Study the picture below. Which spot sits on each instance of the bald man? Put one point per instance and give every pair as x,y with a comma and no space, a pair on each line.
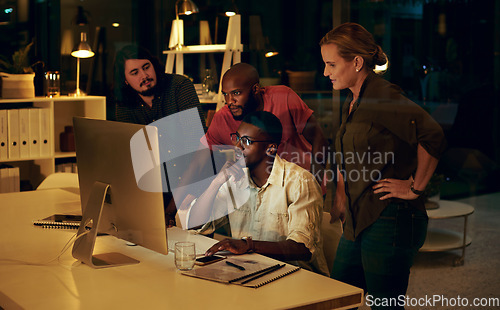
303,141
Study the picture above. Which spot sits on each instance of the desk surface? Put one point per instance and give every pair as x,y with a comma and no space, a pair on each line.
153,283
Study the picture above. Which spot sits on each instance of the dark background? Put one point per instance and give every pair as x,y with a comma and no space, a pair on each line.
455,43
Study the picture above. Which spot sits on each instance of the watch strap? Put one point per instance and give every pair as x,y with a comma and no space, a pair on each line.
250,244
415,191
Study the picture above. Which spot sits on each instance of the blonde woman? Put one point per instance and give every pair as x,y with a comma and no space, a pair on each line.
386,150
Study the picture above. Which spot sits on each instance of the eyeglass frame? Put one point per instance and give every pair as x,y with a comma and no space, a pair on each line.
247,138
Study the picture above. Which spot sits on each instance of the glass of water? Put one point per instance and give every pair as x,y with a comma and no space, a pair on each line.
185,255
53,83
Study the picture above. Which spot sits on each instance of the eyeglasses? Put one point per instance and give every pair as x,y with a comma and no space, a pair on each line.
245,140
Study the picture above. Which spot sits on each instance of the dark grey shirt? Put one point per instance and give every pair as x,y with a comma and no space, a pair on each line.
379,140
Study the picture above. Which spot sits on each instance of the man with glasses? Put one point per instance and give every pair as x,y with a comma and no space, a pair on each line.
303,141
273,207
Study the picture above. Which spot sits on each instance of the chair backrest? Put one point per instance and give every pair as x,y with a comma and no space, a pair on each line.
210,116
60,180
331,234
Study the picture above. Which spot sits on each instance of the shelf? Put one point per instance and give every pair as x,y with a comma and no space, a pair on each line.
232,49
444,240
64,154
208,101
11,160
61,109
194,49
55,99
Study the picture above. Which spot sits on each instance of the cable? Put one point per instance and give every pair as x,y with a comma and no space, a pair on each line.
64,249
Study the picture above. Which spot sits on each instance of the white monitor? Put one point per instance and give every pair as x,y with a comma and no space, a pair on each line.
111,198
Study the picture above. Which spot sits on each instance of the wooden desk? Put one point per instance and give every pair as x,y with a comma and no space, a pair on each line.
151,284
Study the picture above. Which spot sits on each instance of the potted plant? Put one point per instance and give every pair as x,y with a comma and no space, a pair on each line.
17,76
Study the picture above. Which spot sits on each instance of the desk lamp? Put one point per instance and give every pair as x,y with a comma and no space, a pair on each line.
82,50
182,7
232,10
269,50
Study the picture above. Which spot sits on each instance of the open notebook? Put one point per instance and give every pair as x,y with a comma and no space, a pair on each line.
255,274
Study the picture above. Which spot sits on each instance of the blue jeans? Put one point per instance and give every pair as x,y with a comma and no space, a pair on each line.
380,258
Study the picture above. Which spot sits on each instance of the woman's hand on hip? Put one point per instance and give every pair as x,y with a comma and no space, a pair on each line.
394,188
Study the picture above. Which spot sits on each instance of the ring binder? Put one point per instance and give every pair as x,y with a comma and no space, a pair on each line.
262,271
60,221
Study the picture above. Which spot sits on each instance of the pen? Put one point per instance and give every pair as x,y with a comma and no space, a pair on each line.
234,265
272,269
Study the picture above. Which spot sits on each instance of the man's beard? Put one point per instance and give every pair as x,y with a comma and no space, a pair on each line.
148,92
250,106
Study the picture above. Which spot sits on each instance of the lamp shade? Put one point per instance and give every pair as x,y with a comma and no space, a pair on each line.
269,50
81,17
232,10
82,50
271,53
187,7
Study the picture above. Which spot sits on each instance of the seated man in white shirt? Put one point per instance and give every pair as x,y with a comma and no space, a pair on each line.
280,215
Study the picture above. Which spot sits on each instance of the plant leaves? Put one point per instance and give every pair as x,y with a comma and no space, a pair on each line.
19,63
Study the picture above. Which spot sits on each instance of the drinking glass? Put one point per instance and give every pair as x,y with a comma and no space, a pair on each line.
185,255
53,83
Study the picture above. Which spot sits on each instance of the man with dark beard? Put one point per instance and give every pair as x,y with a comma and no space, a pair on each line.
144,93
303,140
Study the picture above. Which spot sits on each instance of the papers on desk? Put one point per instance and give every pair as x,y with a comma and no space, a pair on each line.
252,274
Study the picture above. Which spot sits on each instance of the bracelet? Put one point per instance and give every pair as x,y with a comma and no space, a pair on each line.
249,242
415,191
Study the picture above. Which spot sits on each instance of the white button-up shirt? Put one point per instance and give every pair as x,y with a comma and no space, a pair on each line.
288,206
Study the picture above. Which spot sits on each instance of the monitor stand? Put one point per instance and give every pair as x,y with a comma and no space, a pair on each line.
87,233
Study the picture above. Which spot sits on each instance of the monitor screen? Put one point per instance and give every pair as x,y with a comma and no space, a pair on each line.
111,197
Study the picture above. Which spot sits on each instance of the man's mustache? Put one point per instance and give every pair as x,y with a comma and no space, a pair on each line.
146,81
235,106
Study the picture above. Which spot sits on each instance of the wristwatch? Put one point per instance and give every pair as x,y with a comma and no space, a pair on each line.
415,191
249,242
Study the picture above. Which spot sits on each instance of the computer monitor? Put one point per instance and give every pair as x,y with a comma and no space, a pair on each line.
111,197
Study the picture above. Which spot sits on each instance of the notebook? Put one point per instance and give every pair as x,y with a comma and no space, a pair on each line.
255,274
61,221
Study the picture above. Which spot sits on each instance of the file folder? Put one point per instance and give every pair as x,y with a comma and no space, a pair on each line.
4,180
15,182
13,133
3,135
45,137
34,132
24,146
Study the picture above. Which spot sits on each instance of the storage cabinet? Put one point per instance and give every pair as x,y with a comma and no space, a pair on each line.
60,114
